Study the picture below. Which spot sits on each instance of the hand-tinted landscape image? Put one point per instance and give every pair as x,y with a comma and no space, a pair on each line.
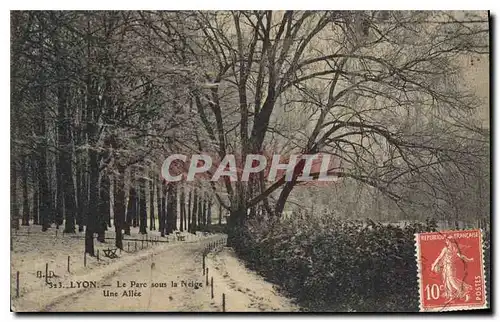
100,99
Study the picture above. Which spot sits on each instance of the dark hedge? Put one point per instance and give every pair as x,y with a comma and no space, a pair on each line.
328,264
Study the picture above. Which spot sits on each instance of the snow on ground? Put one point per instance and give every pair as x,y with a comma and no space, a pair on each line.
245,290
173,262
32,249
178,263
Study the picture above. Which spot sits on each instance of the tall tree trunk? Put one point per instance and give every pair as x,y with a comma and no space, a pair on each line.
104,207
200,212
14,118
285,193
195,212
220,214
159,205
81,169
236,224
26,201
135,214
44,192
131,209
59,218
209,212
94,217
119,205
237,220
174,206
183,209
152,206
204,214
13,193
163,220
79,196
85,191
110,208
143,215
116,178
170,208
43,179
69,198
185,214
189,212
36,210
61,138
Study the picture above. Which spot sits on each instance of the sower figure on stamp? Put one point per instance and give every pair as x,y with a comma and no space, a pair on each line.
454,287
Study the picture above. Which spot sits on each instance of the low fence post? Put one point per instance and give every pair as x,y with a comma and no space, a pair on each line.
17,284
212,287
223,302
206,277
68,264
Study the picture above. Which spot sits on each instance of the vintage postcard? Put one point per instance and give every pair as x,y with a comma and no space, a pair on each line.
250,161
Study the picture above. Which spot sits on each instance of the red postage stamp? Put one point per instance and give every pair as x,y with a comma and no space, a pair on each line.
451,270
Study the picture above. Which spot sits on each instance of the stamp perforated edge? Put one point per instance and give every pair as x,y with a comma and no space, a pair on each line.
419,277
419,271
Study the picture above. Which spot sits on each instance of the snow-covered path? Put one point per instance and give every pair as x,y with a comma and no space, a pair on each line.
171,278
176,263
245,290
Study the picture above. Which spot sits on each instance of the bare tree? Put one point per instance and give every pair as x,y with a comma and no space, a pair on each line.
357,79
